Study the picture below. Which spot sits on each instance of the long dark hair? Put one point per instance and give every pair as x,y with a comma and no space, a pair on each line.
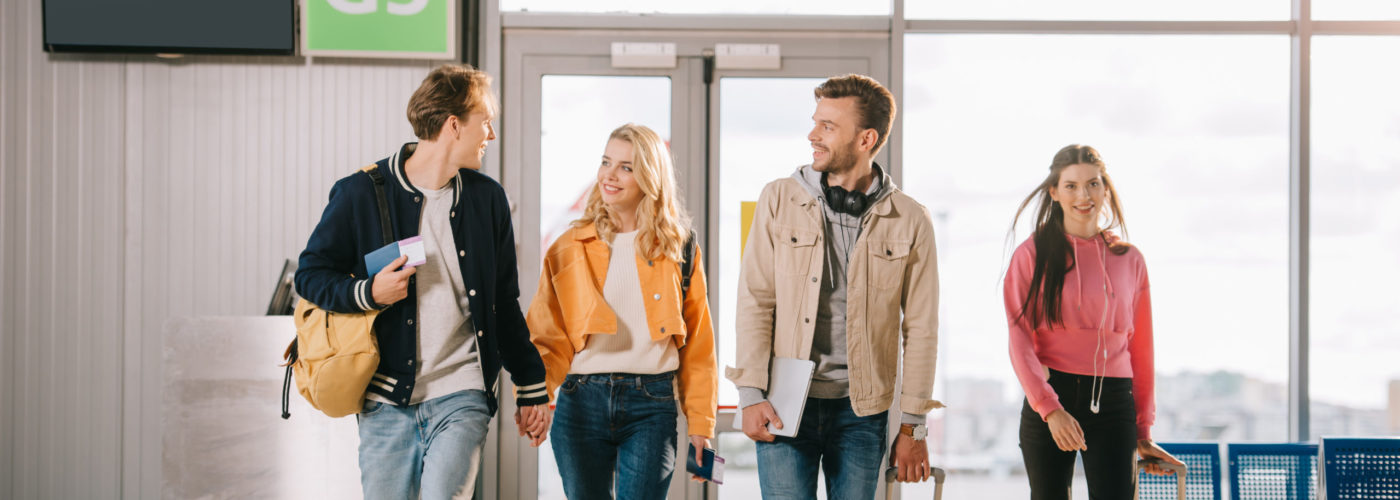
1054,257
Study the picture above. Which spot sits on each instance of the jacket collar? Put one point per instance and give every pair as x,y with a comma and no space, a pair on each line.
586,233
396,165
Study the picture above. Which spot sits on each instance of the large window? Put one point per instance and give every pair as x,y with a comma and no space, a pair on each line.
1364,10
1195,133
1355,339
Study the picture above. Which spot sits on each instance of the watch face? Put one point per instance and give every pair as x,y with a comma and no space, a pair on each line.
920,432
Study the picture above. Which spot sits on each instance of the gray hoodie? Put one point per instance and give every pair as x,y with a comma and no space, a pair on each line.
830,381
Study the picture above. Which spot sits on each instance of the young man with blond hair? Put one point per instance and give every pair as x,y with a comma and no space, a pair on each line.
447,326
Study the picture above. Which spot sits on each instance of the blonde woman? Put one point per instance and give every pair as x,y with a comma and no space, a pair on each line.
620,338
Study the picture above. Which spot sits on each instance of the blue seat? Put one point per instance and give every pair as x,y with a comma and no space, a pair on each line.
1281,471
1202,474
1357,468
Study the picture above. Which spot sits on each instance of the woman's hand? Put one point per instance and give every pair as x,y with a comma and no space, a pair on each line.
1066,431
1148,449
700,443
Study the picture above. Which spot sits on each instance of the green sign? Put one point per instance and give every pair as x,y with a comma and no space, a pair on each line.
380,28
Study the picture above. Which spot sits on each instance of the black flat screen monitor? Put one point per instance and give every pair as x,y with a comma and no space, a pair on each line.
178,26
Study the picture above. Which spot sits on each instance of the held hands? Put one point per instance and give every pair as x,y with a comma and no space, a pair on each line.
700,443
1148,449
756,418
391,286
910,459
1066,431
533,422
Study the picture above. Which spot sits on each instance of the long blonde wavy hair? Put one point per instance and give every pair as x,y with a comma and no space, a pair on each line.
662,223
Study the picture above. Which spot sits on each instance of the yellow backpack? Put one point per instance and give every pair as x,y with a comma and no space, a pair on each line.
335,354
333,358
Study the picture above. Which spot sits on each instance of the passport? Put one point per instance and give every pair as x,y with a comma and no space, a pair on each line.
412,247
711,470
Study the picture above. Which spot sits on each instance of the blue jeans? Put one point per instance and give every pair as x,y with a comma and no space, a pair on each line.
614,435
850,450
433,447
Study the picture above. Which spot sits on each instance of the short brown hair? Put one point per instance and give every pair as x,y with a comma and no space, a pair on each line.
450,90
874,101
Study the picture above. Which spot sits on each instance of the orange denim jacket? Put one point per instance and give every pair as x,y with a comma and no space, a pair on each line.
569,306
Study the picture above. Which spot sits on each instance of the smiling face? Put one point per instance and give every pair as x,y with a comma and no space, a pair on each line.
836,135
1081,194
616,179
470,136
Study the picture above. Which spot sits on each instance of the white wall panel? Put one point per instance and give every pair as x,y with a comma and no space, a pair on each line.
135,190
60,146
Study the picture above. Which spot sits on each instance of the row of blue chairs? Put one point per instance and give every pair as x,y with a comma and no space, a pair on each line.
1352,468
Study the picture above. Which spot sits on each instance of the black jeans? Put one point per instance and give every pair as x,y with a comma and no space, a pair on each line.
1110,437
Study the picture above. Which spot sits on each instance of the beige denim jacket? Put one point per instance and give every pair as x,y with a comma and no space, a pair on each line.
893,269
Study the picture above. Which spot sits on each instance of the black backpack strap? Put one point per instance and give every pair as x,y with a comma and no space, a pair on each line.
384,225
291,359
687,264
286,390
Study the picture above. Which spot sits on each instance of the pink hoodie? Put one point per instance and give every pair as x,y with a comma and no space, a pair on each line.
1099,278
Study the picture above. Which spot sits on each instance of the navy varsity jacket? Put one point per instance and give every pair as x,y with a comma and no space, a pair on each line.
331,274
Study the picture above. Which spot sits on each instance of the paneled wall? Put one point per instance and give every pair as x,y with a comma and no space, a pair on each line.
135,190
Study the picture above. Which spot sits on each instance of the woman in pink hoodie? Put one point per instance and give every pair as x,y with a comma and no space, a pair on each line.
1080,314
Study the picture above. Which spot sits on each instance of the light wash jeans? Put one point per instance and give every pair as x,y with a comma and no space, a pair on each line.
432,448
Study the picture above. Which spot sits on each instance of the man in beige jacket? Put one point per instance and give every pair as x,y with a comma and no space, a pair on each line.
840,269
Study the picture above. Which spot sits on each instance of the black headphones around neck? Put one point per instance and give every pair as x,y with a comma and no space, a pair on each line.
843,201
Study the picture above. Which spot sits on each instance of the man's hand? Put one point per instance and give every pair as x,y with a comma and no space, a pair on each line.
756,418
533,422
391,286
910,459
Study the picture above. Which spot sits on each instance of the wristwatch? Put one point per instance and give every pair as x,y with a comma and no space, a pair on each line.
916,431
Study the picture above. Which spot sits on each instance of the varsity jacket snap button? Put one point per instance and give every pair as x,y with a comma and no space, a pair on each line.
410,362
888,252
452,214
461,253
656,297
806,320
410,321
663,329
480,333
471,292
794,239
814,279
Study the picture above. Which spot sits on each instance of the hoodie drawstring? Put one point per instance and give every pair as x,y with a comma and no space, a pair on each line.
1100,337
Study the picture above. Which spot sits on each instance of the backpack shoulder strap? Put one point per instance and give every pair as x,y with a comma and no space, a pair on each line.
384,226
687,264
